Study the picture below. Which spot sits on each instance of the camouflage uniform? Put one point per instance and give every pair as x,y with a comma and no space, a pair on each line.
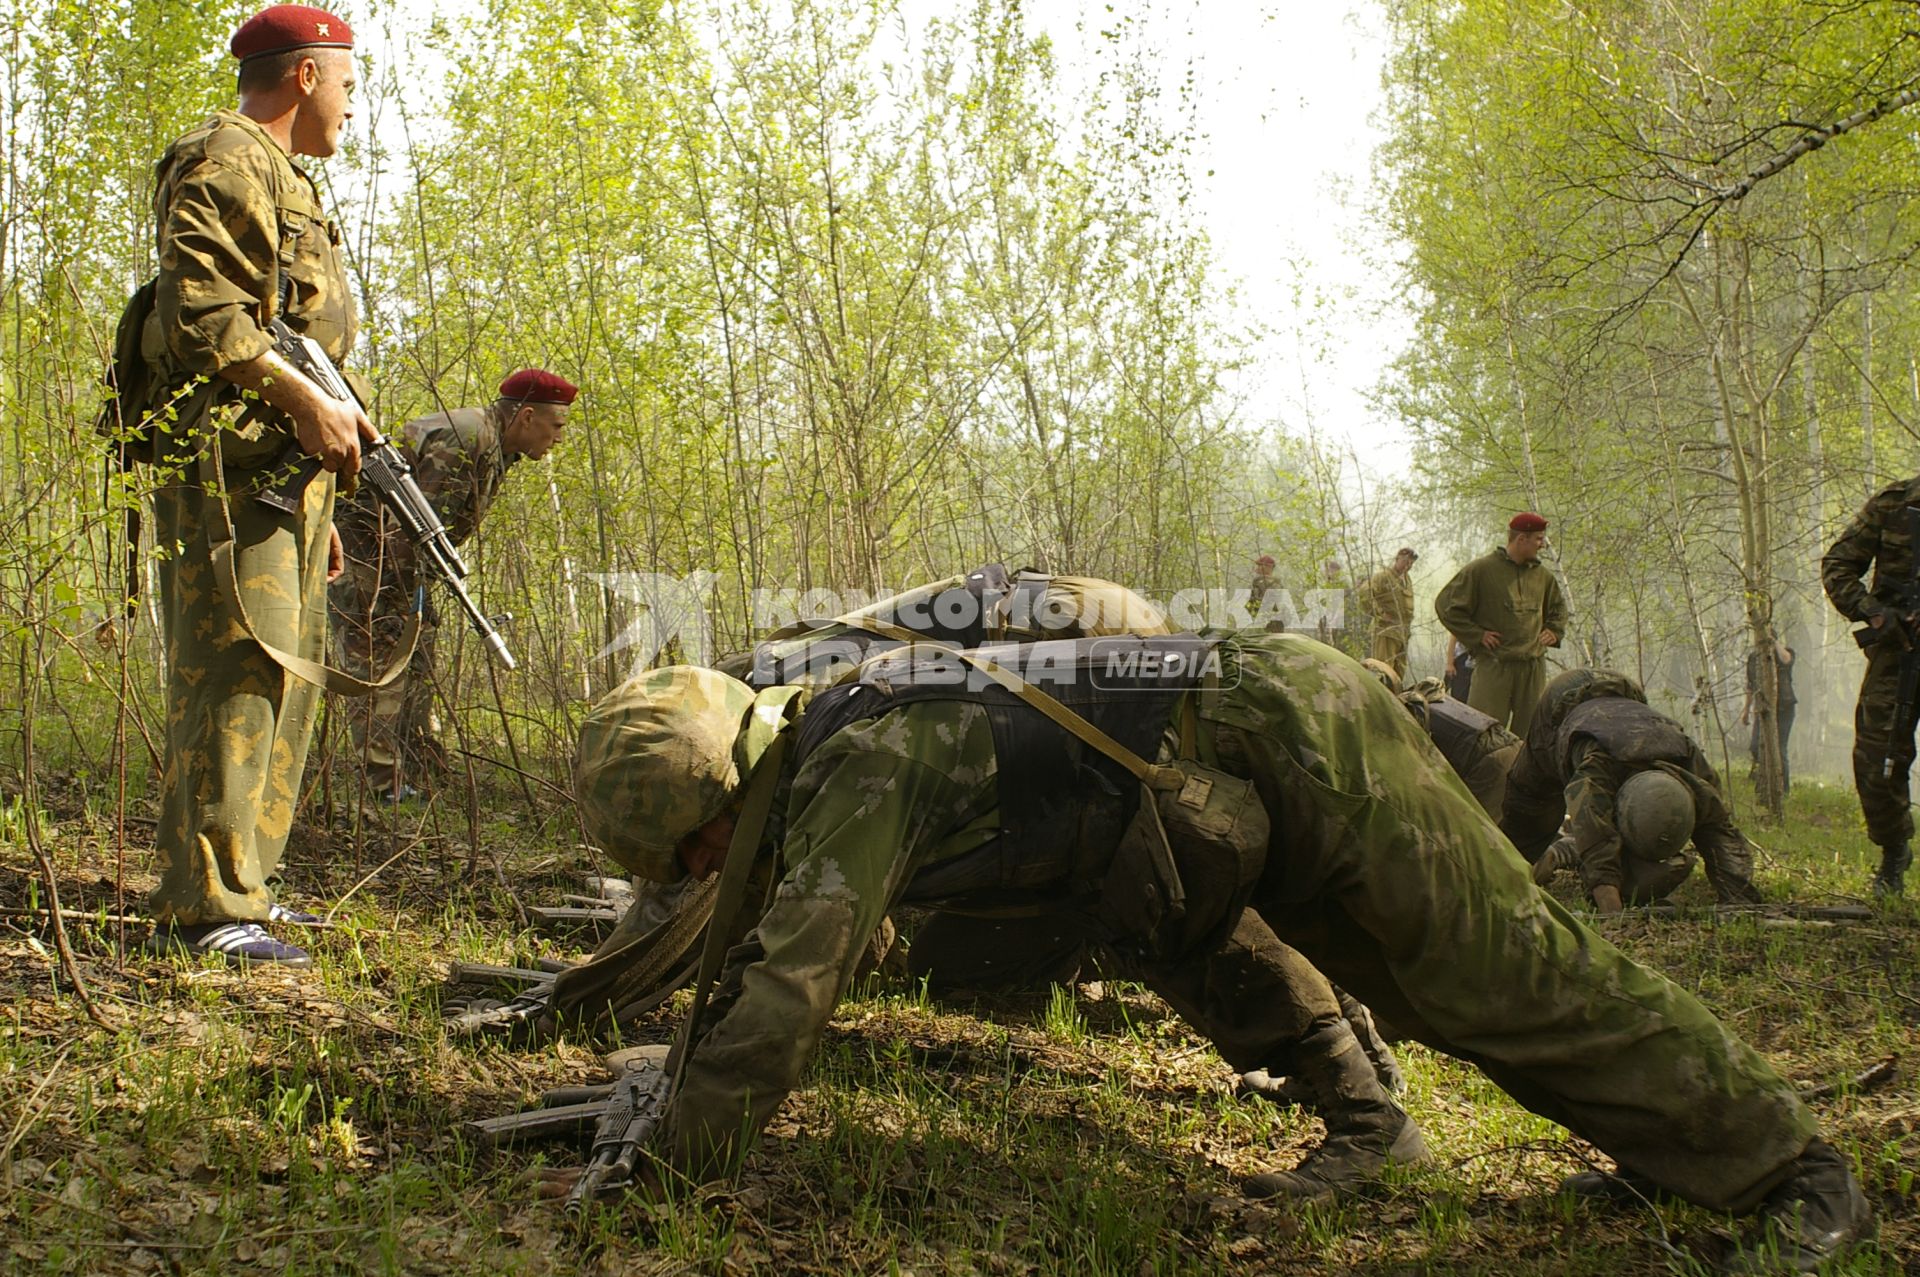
229,204
1583,746
1878,539
1257,589
458,460
1382,870
1516,601
1387,600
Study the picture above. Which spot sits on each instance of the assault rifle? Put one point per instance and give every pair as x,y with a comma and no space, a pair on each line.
1901,625
623,1116
625,1128
385,470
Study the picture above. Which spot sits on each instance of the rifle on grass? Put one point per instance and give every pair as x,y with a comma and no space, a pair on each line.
385,470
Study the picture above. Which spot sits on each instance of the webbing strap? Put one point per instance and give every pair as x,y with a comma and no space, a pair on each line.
748,828
220,544
1150,774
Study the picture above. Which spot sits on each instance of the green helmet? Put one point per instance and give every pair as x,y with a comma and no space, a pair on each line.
663,754
1654,813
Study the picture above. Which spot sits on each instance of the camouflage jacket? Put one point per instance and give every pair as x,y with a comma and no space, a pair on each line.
1514,600
459,462
1595,745
1387,598
232,210
1877,539
886,798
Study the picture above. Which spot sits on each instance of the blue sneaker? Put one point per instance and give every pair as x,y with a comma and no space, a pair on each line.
278,912
241,942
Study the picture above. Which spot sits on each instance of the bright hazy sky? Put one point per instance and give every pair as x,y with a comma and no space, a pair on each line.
1286,94
1286,91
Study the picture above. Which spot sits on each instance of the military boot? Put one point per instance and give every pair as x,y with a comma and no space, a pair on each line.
1366,1130
1289,1091
1816,1213
1891,880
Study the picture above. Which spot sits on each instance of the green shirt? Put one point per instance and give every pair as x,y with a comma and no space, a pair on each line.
229,207
1493,594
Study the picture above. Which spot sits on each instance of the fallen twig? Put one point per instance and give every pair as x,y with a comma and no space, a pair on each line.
1870,1079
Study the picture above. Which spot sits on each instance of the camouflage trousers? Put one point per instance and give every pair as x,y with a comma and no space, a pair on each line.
1390,647
1877,740
1508,690
238,725
1394,883
395,730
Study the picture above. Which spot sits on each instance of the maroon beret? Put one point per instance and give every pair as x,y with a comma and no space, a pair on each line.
537,385
1526,521
1264,561
289,26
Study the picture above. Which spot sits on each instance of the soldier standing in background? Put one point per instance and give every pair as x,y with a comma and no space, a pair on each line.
1262,582
1881,537
1507,608
459,458
242,239
1387,601
1784,703
1334,628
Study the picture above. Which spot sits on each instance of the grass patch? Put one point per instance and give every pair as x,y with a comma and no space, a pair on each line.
310,1123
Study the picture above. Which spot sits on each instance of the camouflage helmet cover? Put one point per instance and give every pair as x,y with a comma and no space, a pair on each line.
1654,813
657,760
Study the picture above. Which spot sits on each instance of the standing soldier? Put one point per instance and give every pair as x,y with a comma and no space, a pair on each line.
1882,537
1784,703
1387,599
1262,582
1507,609
1333,629
242,239
459,458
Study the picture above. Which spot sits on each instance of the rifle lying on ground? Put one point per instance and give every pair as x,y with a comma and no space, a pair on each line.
623,1116
385,470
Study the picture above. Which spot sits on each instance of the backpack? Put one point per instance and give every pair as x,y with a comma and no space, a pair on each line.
129,382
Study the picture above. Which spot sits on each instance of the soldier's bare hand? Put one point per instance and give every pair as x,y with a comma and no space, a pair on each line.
1607,899
336,555
331,429
1490,640
1878,620
1548,638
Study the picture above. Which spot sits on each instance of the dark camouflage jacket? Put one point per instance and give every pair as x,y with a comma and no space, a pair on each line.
1878,539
